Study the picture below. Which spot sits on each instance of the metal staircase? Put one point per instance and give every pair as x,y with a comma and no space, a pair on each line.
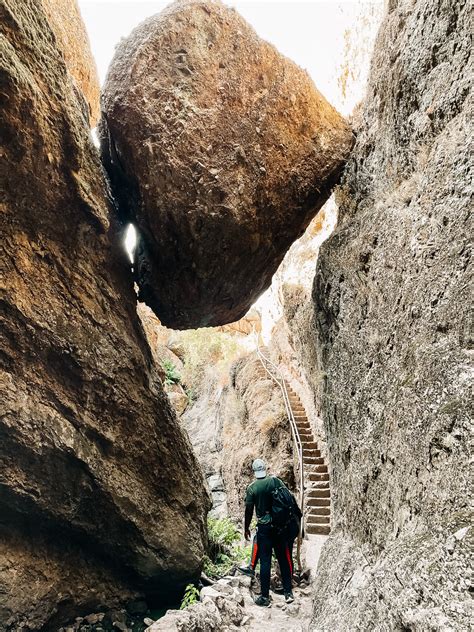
313,475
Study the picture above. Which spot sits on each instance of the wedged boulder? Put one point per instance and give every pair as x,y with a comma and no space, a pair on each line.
65,20
100,493
221,151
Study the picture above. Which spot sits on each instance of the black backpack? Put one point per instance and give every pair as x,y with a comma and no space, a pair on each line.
285,509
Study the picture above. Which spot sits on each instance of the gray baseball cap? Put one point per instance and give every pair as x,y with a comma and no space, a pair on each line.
259,468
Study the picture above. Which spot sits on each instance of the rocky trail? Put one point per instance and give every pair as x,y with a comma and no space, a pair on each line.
229,605
225,604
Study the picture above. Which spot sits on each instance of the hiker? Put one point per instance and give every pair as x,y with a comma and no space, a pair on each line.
291,535
276,510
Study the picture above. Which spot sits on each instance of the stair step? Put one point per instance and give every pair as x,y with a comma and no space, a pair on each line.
303,425
310,461
311,445
318,493
318,502
318,485
317,453
313,529
320,511
315,460
315,476
315,519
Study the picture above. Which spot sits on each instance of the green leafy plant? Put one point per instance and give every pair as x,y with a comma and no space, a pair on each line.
171,373
191,596
222,531
191,394
224,551
205,348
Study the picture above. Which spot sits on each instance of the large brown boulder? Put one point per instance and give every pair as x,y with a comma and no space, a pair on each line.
221,150
66,23
100,493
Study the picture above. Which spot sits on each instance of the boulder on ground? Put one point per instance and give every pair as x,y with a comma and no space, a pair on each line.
221,150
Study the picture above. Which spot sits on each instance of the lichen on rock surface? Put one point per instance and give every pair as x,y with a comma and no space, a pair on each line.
100,493
221,151
392,301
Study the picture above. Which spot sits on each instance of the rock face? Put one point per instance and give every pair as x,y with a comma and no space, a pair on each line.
66,23
391,302
100,494
230,426
221,151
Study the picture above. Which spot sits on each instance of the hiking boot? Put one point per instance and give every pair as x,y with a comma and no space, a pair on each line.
278,590
263,601
289,597
247,570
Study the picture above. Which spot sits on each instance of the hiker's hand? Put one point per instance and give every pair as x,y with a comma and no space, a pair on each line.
247,534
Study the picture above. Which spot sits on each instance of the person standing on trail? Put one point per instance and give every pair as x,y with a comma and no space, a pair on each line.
264,495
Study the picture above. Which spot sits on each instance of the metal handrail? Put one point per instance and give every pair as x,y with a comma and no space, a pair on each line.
277,376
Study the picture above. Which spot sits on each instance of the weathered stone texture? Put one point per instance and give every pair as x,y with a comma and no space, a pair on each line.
221,151
231,425
392,309
66,23
99,488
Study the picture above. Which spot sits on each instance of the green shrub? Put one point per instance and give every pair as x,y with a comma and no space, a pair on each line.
191,596
191,393
204,348
222,531
224,552
171,372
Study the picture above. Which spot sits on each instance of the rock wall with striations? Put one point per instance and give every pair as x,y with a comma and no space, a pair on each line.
232,424
65,20
391,301
221,151
100,493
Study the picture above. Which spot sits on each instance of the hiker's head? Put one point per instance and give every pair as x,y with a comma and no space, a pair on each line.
259,468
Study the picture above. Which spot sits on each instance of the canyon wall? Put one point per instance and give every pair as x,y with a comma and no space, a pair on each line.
237,418
100,494
65,20
391,322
